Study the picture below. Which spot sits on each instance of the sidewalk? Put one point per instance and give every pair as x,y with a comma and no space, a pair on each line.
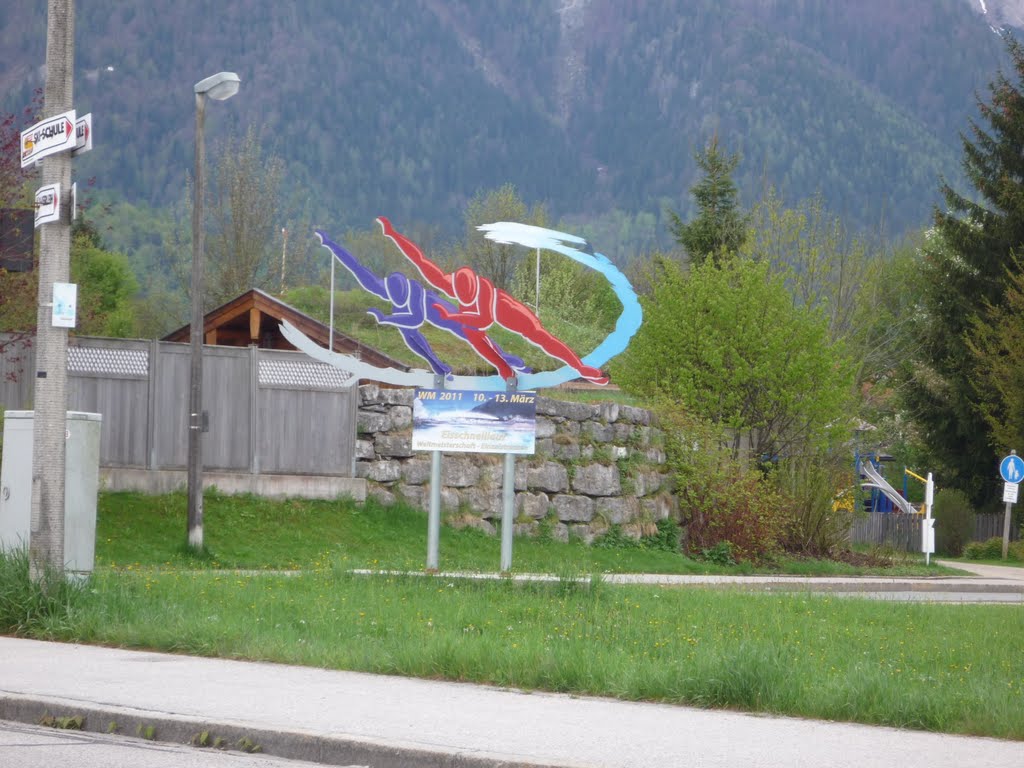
347,718
344,718
980,583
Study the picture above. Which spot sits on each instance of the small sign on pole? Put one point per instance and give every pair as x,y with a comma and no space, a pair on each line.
65,300
48,137
1010,492
48,204
83,134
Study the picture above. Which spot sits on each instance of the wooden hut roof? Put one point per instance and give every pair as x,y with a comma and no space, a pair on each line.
255,317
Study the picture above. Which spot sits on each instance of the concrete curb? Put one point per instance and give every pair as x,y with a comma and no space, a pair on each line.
309,746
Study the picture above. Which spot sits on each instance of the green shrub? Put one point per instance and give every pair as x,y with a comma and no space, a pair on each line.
722,500
819,489
665,537
992,549
954,522
1016,551
720,554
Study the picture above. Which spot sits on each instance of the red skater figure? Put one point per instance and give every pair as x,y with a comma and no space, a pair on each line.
481,305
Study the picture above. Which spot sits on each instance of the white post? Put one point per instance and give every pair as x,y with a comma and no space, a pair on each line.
330,344
284,255
928,530
536,294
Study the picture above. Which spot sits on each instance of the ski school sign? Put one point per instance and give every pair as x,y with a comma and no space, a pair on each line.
48,137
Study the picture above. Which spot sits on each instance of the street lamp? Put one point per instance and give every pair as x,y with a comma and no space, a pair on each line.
221,86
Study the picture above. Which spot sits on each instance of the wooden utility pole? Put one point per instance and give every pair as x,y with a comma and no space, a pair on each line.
46,547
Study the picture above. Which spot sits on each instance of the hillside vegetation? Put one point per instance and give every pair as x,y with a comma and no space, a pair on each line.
408,107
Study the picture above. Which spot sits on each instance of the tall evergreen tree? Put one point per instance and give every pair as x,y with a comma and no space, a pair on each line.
963,271
720,225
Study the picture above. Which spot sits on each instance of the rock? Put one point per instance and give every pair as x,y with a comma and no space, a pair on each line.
549,477
545,427
660,507
386,471
370,422
369,394
597,480
565,451
535,505
598,432
364,449
483,503
634,415
401,417
392,396
393,446
617,510
459,472
574,509
416,471
566,410
609,412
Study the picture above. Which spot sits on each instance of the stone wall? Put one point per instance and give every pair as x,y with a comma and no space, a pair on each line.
596,465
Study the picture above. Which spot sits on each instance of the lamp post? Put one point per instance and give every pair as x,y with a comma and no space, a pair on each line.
221,86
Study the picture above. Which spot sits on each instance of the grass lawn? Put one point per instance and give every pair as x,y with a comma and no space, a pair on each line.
947,668
250,532
954,668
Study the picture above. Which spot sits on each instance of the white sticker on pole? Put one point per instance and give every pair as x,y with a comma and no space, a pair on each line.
48,204
1010,492
65,301
47,137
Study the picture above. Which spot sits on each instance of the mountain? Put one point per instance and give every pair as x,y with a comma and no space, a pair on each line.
409,107
1000,13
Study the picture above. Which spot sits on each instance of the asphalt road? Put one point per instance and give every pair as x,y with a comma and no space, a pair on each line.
30,746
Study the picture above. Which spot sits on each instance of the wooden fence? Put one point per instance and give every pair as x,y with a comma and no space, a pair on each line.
903,532
270,411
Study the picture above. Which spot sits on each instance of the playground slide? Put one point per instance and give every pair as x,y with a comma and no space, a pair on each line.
875,480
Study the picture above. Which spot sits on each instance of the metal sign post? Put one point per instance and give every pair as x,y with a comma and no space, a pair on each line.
1012,470
434,515
928,531
508,500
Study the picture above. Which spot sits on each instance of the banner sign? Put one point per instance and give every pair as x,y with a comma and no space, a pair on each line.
47,137
474,421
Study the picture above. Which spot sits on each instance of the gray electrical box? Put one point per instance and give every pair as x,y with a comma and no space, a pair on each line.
81,486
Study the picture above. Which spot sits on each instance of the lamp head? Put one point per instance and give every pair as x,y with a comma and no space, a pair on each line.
221,86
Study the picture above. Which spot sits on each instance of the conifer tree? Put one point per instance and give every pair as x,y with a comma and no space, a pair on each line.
720,226
964,270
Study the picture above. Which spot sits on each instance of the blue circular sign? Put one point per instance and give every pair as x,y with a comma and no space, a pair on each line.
1012,469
